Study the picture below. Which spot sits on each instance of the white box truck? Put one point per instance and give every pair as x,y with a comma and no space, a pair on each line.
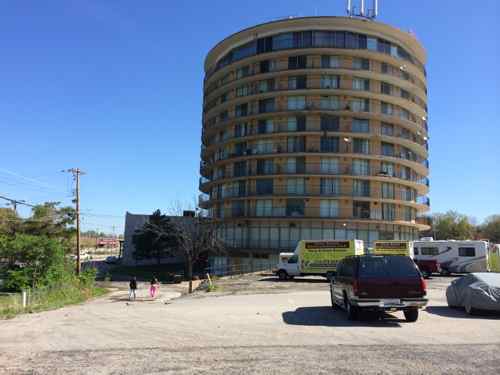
316,257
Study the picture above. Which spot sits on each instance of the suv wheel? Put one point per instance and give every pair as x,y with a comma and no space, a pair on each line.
411,315
469,309
352,311
332,296
282,275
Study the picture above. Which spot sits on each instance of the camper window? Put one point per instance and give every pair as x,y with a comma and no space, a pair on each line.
429,250
415,251
293,259
466,252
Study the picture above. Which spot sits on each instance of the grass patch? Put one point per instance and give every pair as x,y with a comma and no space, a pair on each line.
47,299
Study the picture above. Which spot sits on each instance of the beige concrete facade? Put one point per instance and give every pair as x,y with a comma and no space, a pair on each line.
315,128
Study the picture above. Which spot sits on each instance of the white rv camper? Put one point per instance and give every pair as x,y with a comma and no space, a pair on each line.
454,256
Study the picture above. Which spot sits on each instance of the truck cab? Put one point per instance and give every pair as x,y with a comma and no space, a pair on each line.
288,266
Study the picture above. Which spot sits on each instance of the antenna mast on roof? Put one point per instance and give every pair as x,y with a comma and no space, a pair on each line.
363,12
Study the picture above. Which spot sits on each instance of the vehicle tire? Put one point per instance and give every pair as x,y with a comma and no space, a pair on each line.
469,309
290,277
352,311
332,297
411,315
282,275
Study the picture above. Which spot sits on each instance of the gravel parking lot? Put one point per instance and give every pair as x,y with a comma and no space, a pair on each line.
254,324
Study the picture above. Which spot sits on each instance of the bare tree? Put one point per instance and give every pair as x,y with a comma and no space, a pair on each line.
197,236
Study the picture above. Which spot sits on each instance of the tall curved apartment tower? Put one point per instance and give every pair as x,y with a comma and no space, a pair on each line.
314,128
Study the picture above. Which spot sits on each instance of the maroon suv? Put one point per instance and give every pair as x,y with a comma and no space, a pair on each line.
378,283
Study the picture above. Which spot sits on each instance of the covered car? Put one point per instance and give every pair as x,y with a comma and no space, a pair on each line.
475,291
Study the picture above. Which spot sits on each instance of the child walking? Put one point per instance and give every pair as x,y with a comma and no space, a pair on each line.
132,288
154,288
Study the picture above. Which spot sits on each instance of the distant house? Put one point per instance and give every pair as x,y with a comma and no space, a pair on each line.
134,222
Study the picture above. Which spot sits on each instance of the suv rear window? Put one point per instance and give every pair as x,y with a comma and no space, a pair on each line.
387,266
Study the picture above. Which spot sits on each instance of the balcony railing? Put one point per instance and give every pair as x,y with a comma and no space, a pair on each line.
313,211
319,169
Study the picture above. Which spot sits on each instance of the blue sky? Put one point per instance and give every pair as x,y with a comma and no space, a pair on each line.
115,88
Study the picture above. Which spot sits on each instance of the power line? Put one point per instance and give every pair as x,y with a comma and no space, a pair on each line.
15,202
29,180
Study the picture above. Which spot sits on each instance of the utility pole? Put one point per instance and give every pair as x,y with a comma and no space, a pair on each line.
76,175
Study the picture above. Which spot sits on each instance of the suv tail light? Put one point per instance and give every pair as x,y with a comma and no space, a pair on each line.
355,287
423,285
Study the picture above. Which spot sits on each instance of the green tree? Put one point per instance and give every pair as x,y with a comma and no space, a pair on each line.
490,228
452,225
9,221
32,260
49,220
156,239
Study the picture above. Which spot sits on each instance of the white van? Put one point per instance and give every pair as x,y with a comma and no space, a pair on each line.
454,256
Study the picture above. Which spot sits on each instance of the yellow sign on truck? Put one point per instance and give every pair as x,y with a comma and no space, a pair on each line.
319,257
393,247
493,258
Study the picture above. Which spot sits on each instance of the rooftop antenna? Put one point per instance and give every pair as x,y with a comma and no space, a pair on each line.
363,12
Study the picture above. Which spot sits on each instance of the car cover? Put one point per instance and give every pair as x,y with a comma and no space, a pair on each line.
479,290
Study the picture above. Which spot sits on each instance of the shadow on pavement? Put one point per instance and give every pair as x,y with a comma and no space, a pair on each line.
326,316
295,280
460,313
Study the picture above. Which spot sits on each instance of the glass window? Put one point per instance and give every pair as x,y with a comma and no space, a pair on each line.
330,81
244,71
385,88
330,102
404,114
388,211
264,147
387,149
361,146
238,208
330,62
265,126
295,207
329,144
360,125
264,207
360,105
295,144
360,64
429,251
361,84
361,210
371,44
264,186
386,108
387,129
265,167
266,85
241,110
329,123
242,90
323,39
387,191
266,105
409,214
296,102
296,186
384,266
329,165
361,188
329,186
329,208
297,82
360,167
297,62
282,41
466,252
